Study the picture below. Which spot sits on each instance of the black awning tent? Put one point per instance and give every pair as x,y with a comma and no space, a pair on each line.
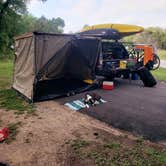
103,33
50,65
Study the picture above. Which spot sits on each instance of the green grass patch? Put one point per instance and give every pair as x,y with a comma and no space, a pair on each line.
5,83
98,158
160,74
162,54
10,100
117,153
156,155
6,69
13,131
78,144
112,145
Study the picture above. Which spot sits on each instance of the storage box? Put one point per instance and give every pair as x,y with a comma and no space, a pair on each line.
108,85
123,64
89,81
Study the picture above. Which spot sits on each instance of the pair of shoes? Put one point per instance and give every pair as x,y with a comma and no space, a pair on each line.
91,99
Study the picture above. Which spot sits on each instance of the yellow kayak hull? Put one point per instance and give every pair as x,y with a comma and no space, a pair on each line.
123,29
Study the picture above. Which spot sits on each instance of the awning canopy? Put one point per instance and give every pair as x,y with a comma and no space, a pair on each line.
43,56
103,33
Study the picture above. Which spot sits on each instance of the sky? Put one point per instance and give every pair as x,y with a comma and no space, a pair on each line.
77,13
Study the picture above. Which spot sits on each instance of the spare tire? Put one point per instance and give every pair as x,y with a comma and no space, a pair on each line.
146,77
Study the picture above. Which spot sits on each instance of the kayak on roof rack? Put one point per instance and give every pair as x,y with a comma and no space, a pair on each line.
123,29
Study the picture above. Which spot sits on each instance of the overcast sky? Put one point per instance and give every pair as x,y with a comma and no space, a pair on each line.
77,13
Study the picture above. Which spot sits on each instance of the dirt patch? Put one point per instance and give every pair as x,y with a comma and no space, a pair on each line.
41,137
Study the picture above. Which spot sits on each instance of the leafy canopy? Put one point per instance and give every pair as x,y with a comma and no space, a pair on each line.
15,20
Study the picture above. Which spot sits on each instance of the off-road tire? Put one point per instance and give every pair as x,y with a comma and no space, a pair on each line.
146,77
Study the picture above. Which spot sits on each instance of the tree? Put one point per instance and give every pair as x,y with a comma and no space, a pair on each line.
29,23
26,24
152,35
54,25
11,12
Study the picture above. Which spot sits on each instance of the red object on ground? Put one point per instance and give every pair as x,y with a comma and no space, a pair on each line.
4,133
107,85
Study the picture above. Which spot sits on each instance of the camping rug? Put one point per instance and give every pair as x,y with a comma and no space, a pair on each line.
77,105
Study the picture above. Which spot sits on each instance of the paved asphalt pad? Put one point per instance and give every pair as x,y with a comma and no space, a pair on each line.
131,107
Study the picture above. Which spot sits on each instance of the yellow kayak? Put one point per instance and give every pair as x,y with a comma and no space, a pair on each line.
123,29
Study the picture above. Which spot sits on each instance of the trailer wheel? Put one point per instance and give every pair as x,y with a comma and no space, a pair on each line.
146,77
156,62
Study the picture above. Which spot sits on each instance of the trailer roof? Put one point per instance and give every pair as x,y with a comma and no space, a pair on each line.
30,34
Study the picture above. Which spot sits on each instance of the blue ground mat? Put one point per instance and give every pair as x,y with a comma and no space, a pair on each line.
79,104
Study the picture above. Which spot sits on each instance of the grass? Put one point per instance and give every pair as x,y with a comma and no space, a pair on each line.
162,54
9,99
112,145
78,144
6,68
13,131
117,153
161,156
160,74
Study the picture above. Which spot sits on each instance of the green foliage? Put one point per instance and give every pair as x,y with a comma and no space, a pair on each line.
29,23
49,25
25,24
152,35
10,12
15,20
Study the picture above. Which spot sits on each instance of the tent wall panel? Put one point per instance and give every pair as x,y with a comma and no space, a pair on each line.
24,66
83,58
